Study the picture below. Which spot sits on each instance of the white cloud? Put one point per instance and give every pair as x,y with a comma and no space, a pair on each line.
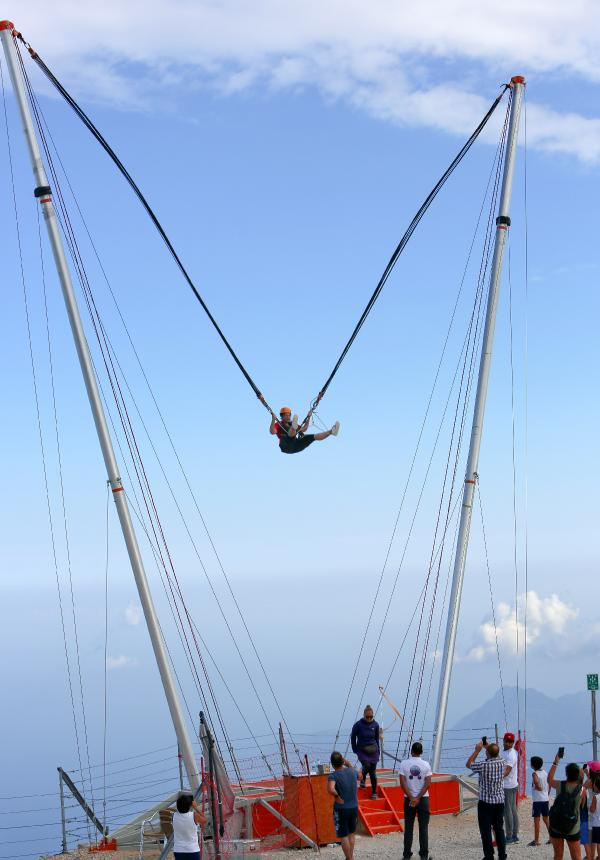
133,614
548,619
383,57
120,662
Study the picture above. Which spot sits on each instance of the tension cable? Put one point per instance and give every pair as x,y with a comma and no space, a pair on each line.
403,243
382,281
153,217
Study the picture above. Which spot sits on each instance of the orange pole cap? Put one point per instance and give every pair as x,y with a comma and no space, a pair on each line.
518,79
7,25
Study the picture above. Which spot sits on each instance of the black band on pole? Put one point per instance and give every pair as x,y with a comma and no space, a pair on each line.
42,191
503,221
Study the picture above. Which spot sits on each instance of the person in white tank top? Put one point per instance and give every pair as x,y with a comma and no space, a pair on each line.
185,828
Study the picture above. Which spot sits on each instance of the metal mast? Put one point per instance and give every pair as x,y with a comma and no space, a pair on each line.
43,194
502,225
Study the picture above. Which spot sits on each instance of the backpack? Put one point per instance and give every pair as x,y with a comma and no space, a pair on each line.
563,813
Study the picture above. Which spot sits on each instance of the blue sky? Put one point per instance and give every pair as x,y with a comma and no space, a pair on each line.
285,157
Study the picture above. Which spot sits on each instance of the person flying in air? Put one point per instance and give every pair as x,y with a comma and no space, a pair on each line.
292,438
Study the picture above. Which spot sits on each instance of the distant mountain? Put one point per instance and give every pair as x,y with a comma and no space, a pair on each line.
564,721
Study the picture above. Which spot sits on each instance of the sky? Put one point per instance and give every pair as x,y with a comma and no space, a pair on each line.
285,149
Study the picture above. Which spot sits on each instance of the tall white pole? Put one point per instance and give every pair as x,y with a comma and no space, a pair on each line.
43,193
502,224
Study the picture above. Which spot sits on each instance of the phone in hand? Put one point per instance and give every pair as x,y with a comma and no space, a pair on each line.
561,752
484,740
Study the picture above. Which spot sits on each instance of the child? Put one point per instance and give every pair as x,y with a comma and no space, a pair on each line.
539,795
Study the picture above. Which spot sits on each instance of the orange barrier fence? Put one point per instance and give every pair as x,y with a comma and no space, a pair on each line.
308,806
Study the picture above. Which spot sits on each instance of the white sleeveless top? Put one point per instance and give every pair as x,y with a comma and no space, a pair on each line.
537,795
185,832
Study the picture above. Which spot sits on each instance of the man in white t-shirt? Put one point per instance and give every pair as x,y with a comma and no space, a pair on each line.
511,787
415,778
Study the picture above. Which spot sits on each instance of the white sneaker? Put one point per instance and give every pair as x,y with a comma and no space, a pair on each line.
295,422
335,429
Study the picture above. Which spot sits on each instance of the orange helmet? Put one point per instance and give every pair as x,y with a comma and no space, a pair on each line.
285,410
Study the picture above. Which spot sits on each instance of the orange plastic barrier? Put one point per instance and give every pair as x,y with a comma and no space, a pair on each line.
105,844
309,806
263,822
444,798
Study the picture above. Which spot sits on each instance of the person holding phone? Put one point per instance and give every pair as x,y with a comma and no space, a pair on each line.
540,798
490,808
565,811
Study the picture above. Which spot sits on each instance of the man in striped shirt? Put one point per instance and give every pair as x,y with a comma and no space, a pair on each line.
490,809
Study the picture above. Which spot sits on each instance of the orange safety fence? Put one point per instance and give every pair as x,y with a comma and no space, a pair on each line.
308,806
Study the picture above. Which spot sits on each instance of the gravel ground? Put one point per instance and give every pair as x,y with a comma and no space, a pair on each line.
450,838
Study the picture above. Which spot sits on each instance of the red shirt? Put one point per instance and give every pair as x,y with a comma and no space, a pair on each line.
281,428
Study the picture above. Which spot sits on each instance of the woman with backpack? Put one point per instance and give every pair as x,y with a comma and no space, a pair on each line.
564,814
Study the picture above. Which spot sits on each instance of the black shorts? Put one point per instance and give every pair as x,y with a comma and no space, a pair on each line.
295,444
574,837
540,809
344,821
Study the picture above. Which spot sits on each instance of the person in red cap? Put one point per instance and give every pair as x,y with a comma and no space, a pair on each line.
292,438
511,787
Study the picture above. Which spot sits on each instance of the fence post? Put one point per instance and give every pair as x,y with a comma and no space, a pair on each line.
63,821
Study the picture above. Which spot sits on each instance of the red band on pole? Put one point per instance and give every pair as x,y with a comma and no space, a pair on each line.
469,482
117,489
45,200
7,25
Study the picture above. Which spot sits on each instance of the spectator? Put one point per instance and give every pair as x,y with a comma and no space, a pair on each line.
342,785
539,796
511,787
490,808
584,834
365,743
564,814
415,778
594,815
185,828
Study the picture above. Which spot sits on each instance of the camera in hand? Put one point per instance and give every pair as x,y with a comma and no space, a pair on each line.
484,740
561,752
